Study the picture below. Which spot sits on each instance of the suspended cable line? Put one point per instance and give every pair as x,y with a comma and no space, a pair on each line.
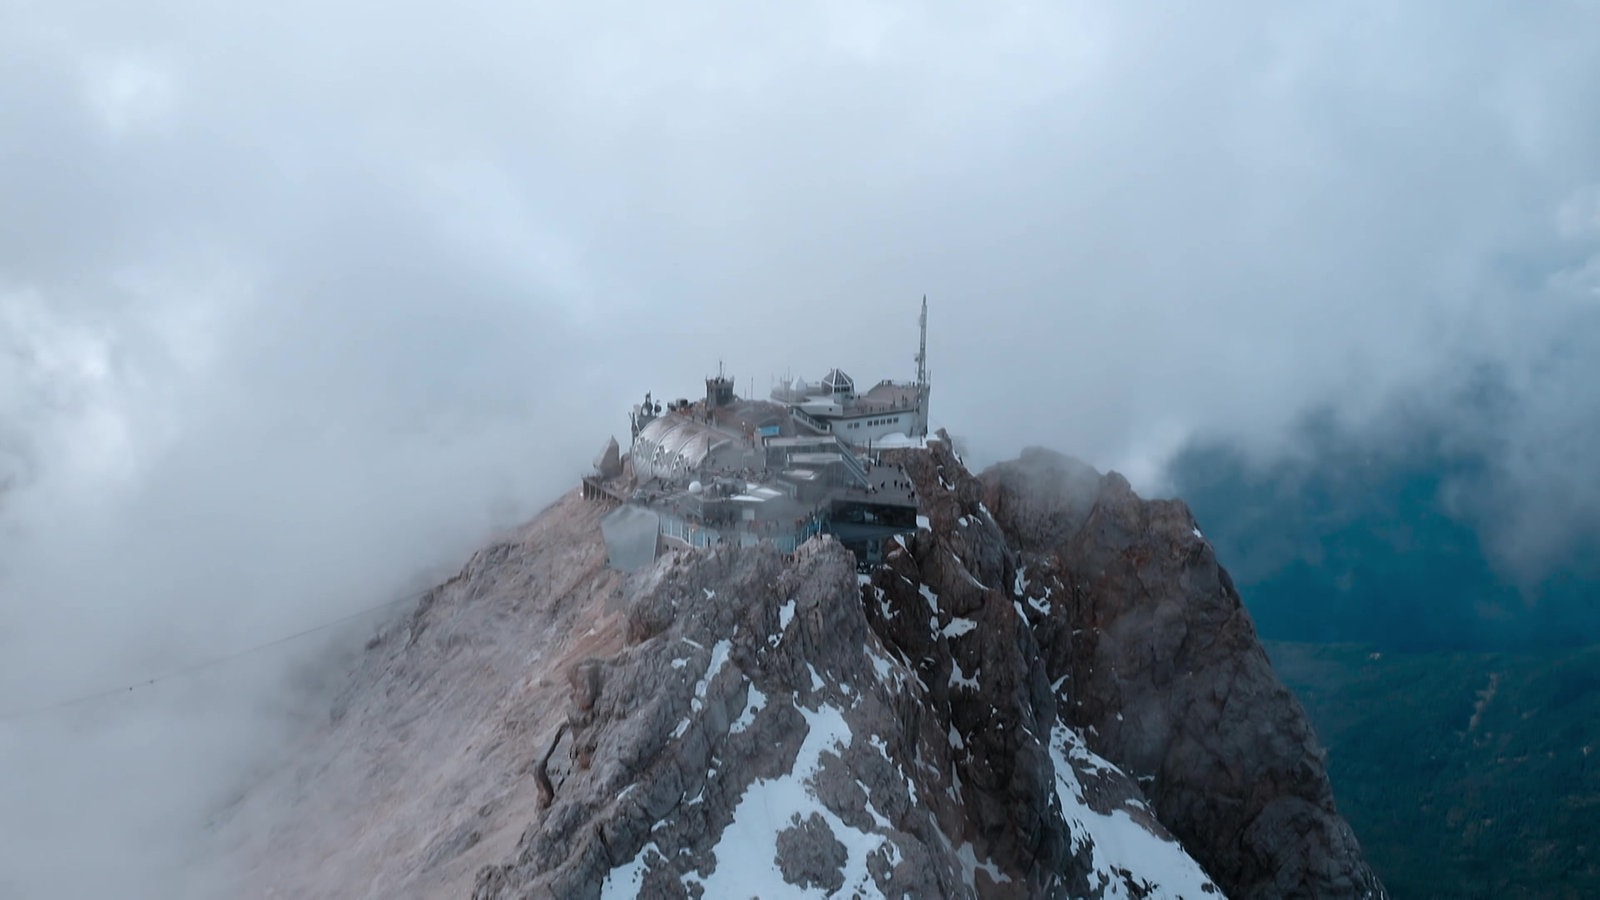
201,665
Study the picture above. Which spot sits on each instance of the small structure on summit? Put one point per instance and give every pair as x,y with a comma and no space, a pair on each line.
859,418
732,470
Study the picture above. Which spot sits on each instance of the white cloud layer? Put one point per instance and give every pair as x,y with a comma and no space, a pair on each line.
297,300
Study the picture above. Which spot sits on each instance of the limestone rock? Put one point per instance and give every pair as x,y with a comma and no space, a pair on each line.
809,856
1161,671
1050,692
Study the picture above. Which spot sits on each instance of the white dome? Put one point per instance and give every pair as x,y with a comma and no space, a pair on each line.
696,487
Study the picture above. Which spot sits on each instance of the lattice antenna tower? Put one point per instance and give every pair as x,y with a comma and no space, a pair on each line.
922,346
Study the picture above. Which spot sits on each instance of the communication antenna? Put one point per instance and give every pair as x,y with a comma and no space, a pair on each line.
922,347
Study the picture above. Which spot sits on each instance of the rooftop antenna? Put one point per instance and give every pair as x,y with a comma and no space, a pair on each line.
922,347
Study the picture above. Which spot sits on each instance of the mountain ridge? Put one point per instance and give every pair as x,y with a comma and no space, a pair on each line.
946,724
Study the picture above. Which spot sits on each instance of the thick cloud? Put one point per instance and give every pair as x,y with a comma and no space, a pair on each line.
297,301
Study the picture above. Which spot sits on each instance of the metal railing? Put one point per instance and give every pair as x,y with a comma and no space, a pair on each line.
697,535
852,464
810,421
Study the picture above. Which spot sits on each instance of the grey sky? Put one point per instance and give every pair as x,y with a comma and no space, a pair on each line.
297,302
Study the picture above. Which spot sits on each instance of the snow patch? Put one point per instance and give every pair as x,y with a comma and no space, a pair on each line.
965,571
883,605
879,745
719,658
959,678
954,789
623,882
754,702
1117,842
970,866
959,626
878,818
882,666
785,615
747,852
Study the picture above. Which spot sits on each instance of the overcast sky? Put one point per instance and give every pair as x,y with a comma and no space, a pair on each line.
297,303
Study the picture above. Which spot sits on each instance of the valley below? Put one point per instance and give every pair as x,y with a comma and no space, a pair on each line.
1464,774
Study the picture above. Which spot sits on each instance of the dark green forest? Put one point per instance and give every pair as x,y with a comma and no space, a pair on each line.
1465,774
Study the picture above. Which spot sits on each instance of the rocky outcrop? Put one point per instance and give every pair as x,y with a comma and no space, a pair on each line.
745,726
1051,691
1161,672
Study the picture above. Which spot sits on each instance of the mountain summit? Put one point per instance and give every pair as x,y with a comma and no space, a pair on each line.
1048,689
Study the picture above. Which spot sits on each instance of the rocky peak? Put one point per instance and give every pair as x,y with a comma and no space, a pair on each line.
1050,691
1161,672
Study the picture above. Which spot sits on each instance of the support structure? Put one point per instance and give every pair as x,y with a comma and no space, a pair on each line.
922,346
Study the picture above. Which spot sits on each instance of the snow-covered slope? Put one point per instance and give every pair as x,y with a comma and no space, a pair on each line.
1132,854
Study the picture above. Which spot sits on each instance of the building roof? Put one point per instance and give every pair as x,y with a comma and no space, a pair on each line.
676,443
836,380
891,394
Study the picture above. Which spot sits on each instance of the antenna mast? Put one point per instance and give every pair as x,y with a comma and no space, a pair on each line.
922,348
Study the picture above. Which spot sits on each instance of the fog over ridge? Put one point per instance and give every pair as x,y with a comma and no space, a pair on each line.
299,302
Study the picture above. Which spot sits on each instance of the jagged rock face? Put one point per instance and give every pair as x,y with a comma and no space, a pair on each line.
764,733
752,721
982,716
1161,671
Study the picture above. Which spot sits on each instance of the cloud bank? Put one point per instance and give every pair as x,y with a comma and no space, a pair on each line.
298,301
